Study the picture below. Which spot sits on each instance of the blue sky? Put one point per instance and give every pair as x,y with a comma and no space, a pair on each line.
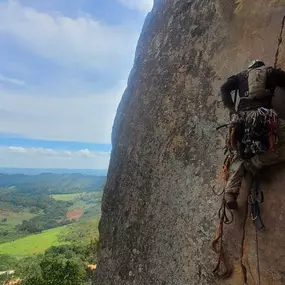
64,67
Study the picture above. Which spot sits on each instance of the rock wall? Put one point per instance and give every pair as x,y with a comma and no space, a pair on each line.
158,213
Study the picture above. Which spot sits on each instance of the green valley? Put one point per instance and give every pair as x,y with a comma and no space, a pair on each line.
81,232
42,225
33,244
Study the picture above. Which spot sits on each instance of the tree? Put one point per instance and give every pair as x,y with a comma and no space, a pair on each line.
30,271
62,265
34,210
7,262
29,227
57,270
92,251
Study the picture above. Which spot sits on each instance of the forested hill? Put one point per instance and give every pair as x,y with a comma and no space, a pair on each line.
53,183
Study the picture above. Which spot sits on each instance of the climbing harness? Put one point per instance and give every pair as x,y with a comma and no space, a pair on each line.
252,132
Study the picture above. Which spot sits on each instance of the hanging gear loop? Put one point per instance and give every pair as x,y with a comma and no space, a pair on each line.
255,198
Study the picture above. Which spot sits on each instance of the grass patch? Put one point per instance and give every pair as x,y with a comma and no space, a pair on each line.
66,197
93,211
14,219
87,200
9,220
78,204
34,244
81,232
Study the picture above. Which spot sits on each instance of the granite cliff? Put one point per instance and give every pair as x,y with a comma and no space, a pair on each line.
159,214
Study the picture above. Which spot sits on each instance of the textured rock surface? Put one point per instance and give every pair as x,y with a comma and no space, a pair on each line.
159,213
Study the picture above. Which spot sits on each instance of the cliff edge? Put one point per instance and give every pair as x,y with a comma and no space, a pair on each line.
159,214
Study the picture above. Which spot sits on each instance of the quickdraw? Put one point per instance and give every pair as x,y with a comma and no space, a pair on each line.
255,199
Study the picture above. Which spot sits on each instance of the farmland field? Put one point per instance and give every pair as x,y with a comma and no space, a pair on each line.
87,200
9,219
14,218
33,244
66,197
81,231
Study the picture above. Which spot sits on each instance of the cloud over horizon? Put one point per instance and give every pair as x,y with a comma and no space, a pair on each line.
63,71
60,118
15,157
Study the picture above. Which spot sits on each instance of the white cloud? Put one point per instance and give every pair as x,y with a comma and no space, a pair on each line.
16,149
141,5
84,152
11,156
11,80
88,118
84,41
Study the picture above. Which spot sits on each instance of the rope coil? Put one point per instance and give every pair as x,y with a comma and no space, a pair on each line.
222,269
218,247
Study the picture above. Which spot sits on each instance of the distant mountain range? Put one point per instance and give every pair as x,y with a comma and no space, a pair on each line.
52,183
36,171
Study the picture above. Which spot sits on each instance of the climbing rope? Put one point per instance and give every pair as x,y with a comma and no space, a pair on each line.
244,270
254,198
280,39
224,218
218,240
257,257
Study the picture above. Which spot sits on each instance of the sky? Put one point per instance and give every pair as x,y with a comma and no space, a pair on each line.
64,67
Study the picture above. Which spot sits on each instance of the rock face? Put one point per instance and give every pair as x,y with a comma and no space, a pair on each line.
159,214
